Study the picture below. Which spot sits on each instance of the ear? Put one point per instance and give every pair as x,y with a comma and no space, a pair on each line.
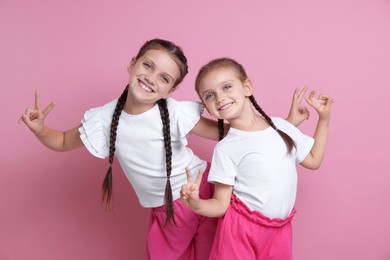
248,87
131,64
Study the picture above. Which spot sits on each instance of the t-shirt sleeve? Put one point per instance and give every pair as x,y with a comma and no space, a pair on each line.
223,169
95,128
303,142
187,114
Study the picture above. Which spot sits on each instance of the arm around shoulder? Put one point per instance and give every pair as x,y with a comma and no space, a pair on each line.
208,128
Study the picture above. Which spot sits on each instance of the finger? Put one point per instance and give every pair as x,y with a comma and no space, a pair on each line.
302,93
307,114
310,98
31,113
323,96
199,178
183,191
21,119
28,116
37,100
312,94
302,109
329,103
296,94
189,175
49,108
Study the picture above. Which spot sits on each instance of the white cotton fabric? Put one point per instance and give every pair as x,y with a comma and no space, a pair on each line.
257,164
140,146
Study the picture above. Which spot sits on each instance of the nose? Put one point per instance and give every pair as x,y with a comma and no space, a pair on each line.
150,78
219,98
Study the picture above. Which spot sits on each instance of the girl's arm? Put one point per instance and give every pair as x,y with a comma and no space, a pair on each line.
208,128
323,106
53,139
214,207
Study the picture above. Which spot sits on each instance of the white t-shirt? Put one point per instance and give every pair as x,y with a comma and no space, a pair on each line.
140,146
257,164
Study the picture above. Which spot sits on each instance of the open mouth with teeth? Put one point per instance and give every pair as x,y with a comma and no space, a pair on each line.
225,106
145,87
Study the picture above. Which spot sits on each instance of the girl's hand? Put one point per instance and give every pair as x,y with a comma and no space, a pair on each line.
298,113
34,117
322,104
189,193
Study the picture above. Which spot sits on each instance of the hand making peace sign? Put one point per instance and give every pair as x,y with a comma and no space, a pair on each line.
190,192
34,117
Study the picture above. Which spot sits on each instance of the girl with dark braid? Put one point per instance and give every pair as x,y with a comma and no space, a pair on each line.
253,167
146,129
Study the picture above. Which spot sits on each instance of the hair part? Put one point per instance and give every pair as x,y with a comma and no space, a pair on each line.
223,63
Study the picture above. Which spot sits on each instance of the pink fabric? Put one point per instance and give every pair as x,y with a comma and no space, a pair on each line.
193,236
246,234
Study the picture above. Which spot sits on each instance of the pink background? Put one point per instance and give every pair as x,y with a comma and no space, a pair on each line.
76,53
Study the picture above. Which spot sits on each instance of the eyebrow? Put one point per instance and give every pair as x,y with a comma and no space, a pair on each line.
219,84
146,58
227,81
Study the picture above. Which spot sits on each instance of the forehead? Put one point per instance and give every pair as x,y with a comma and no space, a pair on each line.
218,77
162,61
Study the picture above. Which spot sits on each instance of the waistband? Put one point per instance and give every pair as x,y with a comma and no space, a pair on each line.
256,216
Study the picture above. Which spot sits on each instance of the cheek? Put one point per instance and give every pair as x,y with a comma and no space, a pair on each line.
208,106
132,73
167,91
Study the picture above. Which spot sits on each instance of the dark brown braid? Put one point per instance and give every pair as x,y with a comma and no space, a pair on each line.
168,200
286,138
221,128
178,56
107,183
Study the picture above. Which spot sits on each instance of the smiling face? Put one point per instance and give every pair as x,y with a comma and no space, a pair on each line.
152,77
224,94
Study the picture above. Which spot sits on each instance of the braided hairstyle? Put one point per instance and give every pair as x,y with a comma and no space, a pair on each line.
221,128
240,71
168,200
178,56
